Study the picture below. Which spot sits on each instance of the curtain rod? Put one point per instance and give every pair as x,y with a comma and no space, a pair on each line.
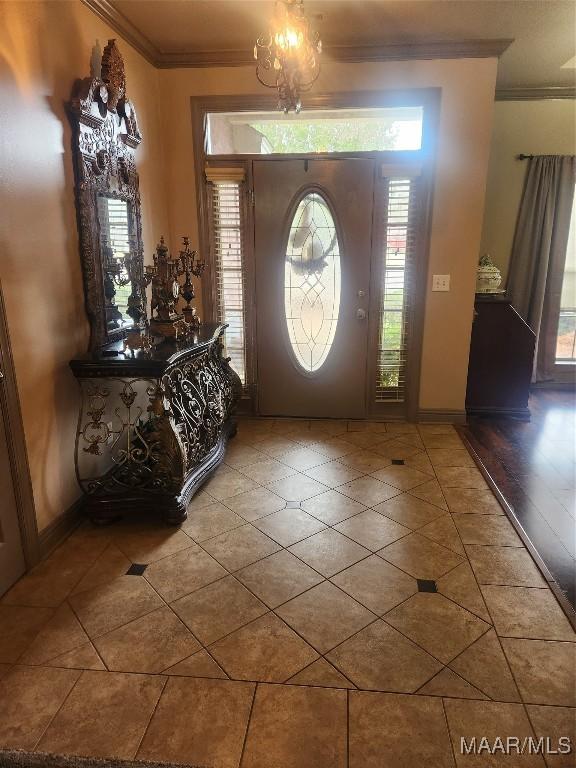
524,157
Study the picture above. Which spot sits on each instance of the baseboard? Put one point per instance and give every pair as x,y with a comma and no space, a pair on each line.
58,530
441,415
523,414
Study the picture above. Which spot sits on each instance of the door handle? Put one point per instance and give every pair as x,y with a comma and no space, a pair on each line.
360,314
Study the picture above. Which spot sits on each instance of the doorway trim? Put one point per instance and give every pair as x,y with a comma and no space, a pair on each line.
18,454
428,98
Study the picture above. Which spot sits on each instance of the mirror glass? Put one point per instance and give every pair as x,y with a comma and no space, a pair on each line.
115,243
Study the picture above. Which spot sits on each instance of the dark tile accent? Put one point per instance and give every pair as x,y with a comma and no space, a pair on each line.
426,585
397,461
292,504
136,569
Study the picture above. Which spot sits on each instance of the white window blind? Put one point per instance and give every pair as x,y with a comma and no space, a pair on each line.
226,242
397,255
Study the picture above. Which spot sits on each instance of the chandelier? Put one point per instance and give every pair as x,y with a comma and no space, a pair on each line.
288,56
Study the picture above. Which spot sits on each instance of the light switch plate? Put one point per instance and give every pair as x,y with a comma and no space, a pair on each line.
440,282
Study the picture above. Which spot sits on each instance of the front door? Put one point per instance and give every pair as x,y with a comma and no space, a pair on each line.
313,239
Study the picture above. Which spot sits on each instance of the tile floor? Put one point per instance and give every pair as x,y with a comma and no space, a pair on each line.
342,594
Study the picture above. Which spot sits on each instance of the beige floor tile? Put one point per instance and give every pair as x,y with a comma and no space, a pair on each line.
238,548
18,628
365,439
230,484
266,650
296,727
366,461
438,625
527,612
275,445
213,736
48,584
111,605
450,441
484,665
62,633
450,457
401,476
267,471
111,564
555,723
328,426
289,526
368,491
333,473
334,448
511,566
302,459
149,644
366,426
100,718
469,501
436,429
372,530
450,685
401,428
200,499
545,671
487,529
460,585
325,616
84,657
321,673
240,455
380,658
218,609
420,461
376,584
255,504
297,487
332,507
180,574
329,552
420,557
278,578
430,492
396,449
489,720
409,511
383,727
29,699
200,664
460,477
210,521
443,531
412,439
4,669
147,546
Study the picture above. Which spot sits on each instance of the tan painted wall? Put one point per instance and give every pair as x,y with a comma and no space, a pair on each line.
44,47
463,149
520,127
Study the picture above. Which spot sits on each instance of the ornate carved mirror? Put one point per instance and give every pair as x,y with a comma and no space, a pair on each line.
105,137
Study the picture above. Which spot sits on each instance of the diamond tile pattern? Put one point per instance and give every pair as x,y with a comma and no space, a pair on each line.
300,568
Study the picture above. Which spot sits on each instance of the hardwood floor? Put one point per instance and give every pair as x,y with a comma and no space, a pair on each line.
533,465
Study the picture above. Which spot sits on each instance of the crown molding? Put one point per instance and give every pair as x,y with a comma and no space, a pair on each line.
535,94
351,54
129,33
424,50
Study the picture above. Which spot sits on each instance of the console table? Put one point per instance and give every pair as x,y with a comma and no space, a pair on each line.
152,425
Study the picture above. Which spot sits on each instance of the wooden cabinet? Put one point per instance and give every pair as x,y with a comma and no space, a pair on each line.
152,426
501,360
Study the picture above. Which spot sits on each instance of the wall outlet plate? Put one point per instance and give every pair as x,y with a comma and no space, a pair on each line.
440,282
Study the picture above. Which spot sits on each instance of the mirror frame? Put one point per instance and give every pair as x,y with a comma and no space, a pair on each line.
105,135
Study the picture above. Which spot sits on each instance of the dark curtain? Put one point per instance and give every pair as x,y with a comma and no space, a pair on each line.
541,236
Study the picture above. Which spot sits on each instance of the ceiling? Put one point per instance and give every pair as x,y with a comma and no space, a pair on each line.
193,31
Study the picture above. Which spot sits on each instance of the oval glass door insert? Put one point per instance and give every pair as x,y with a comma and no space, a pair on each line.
312,282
